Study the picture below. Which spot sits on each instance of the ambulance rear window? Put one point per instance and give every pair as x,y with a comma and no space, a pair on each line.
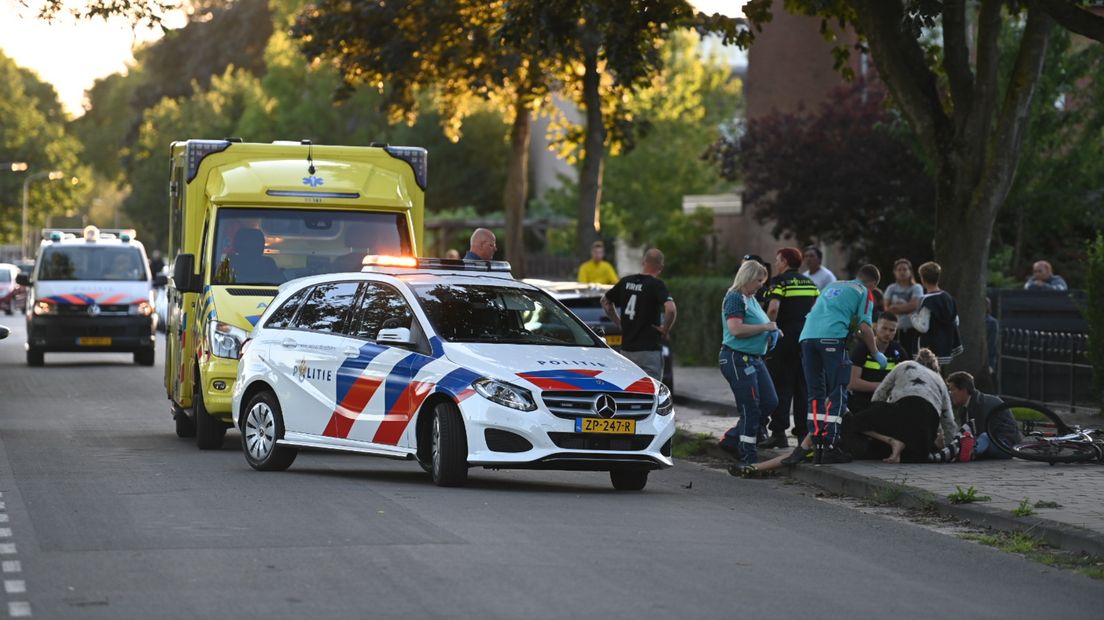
92,263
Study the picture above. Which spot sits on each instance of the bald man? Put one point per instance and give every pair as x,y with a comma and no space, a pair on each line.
647,313
483,245
1043,278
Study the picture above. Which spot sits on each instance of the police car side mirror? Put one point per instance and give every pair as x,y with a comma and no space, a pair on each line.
395,337
22,280
185,278
160,280
4,331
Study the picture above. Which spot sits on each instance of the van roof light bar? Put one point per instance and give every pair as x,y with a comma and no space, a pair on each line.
373,261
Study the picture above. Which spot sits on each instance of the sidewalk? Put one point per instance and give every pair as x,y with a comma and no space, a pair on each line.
1076,524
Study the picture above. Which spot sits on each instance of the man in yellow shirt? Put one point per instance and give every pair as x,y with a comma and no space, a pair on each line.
596,270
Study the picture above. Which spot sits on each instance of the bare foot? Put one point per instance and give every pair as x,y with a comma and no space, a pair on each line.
896,447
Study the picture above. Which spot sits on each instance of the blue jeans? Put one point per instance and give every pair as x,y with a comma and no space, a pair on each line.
755,399
827,373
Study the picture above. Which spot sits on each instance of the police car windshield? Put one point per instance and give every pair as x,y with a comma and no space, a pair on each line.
88,262
272,246
501,315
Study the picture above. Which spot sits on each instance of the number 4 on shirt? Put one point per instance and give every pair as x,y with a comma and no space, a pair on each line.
630,309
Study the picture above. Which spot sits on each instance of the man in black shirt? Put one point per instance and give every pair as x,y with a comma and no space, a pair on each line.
642,300
866,372
790,296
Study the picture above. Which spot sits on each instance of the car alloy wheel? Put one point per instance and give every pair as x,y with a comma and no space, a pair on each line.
260,431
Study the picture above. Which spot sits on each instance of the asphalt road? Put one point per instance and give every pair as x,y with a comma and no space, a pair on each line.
109,515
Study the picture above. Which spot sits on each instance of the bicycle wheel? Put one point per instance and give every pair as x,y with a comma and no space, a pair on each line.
1034,420
1054,451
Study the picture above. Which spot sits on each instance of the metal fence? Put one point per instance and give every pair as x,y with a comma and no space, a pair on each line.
1051,367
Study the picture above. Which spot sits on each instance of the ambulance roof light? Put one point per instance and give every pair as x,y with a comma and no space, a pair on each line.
416,156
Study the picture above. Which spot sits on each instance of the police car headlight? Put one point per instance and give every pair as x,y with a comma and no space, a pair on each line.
142,308
225,340
42,308
665,403
505,394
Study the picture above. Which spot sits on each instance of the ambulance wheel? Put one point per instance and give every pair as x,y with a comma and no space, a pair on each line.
185,428
35,358
209,431
143,357
448,447
629,480
262,426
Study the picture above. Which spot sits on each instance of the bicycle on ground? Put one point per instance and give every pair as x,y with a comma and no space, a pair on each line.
1046,438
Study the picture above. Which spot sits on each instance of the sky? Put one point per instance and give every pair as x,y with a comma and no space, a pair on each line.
71,55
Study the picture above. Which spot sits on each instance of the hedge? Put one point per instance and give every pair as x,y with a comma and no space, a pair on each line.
696,338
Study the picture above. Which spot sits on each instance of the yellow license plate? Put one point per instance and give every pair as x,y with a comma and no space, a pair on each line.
94,341
614,341
605,425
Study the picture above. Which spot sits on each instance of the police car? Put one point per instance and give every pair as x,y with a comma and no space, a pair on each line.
453,364
90,292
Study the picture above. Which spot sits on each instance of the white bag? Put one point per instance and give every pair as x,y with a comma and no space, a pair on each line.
921,320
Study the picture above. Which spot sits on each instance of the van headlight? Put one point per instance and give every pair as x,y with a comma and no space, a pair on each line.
43,308
665,404
505,394
225,340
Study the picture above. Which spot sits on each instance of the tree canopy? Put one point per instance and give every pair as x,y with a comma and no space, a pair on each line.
942,63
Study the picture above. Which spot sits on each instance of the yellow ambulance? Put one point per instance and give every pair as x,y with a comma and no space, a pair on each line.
244,218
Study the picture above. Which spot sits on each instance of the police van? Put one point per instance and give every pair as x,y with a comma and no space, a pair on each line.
90,291
244,218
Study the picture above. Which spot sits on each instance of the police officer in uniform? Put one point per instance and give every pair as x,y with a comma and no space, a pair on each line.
866,372
790,296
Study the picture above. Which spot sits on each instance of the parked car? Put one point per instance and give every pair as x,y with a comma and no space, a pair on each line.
12,293
585,301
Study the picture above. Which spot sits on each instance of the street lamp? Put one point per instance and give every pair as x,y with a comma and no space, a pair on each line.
15,166
52,175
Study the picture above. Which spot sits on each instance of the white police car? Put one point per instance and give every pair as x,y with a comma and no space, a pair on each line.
454,364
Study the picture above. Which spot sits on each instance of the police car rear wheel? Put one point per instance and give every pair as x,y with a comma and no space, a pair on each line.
209,431
629,480
35,358
448,447
263,425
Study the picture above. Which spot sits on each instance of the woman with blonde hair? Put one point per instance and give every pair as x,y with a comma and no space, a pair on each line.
747,334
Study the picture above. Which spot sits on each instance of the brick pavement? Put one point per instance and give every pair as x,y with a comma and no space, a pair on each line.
707,407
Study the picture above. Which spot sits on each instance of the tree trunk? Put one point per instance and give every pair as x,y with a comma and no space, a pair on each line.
594,146
517,189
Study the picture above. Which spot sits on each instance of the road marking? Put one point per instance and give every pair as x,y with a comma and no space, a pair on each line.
15,586
16,609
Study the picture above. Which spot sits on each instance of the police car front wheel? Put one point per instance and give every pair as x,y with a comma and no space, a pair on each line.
448,446
262,426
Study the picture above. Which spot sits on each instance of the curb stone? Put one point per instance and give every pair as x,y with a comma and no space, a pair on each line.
1056,534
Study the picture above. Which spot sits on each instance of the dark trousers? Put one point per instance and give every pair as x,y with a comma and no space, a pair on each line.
789,383
911,420
827,373
753,390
